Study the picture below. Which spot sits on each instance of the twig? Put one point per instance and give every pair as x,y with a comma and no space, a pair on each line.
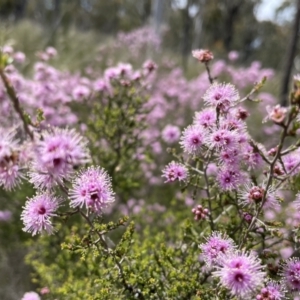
269,180
127,286
16,103
211,80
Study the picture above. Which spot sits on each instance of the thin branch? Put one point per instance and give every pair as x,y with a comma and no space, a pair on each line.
16,103
211,80
269,180
291,52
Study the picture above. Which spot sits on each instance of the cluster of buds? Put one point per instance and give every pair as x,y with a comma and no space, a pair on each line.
256,194
200,212
203,55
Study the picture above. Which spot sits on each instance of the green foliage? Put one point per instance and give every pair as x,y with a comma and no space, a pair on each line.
158,262
115,124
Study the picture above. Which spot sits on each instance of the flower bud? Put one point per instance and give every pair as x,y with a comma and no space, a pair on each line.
200,212
203,56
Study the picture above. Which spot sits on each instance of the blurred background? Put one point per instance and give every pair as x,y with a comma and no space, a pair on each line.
258,29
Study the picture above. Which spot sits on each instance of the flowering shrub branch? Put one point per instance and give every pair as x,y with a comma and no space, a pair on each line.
227,226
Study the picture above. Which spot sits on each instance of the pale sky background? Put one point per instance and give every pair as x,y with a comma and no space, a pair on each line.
266,11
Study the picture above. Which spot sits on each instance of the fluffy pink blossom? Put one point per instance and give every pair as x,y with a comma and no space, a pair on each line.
290,274
175,171
31,296
221,95
171,134
38,212
56,155
192,139
240,273
92,188
216,245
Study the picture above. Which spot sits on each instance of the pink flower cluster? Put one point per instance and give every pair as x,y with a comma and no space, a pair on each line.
240,272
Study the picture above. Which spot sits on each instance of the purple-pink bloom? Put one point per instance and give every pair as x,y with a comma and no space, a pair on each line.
241,273
291,274
192,139
216,245
171,134
233,55
92,188
222,139
38,212
291,163
10,176
272,291
251,157
5,215
221,95
205,118
230,178
175,171
230,157
80,92
31,296
56,155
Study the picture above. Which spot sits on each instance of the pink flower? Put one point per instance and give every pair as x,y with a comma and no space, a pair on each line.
292,163
10,176
38,212
10,171
80,92
223,139
92,188
170,134
233,55
56,155
205,118
273,291
291,274
175,171
221,95
31,296
216,245
192,139
277,114
230,178
241,273
5,215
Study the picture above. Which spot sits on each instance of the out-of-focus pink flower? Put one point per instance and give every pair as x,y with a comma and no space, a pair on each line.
5,215
233,55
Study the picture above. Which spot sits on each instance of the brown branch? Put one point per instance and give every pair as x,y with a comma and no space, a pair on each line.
291,52
15,101
211,80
